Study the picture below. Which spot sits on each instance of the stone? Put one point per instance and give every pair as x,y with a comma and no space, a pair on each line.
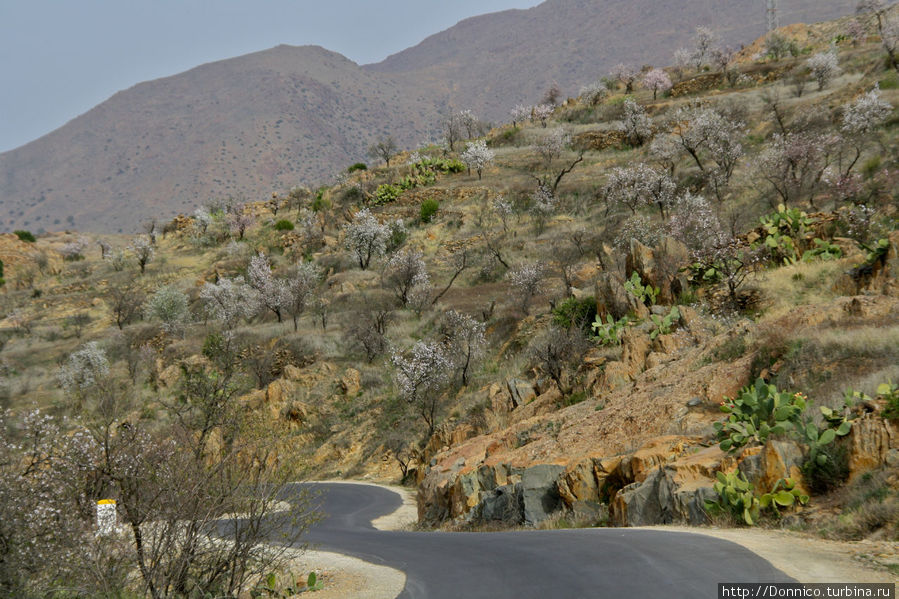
764,466
694,402
502,504
870,442
578,484
351,382
540,492
520,392
660,499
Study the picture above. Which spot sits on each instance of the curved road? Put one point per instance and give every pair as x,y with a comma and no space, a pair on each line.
583,563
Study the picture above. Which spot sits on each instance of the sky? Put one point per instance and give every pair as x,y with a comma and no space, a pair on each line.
60,58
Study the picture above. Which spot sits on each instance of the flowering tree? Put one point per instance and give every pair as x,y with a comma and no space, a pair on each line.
626,75
593,93
636,125
824,68
543,207
860,121
86,368
74,250
551,145
143,251
229,301
301,284
405,270
365,237
704,40
542,112
239,221
421,374
795,164
527,282
657,80
520,113
638,186
477,156
170,306
712,139
683,58
464,339
716,252
273,292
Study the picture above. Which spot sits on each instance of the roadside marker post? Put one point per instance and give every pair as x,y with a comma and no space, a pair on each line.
106,517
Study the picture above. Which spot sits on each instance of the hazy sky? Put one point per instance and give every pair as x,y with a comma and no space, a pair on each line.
59,58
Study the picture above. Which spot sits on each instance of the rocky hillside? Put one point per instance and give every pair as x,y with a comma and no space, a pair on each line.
669,305
267,121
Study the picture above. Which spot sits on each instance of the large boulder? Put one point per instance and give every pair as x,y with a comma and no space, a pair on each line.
540,492
661,499
871,441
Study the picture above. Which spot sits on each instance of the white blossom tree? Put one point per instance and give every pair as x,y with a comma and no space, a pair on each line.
542,112
404,272
301,284
273,291
365,237
169,305
795,164
656,80
713,141
421,375
860,122
878,12
640,185
704,39
626,75
527,282
635,124
229,301
464,339
520,113
824,67
593,93
143,251
477,156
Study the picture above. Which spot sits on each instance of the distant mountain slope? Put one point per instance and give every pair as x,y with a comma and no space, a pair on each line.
270,120
492,62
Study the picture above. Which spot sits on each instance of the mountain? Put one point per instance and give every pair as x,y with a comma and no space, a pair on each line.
247,126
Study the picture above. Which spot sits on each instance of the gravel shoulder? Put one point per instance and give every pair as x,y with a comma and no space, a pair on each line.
344,576
809,559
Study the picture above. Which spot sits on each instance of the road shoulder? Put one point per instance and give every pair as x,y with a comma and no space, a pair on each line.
805,558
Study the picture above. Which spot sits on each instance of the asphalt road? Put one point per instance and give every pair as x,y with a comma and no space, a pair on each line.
584,563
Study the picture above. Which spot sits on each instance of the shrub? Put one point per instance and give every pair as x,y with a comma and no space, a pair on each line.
320,202
26,236
825,477
386,193
284,225
429,208
359,166
890,392
574,312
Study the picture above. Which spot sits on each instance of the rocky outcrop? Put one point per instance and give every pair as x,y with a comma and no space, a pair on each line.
613,299
873,442
660,267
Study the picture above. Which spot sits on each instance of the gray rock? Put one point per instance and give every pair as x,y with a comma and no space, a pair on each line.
694,402
502,504
540,491
658,500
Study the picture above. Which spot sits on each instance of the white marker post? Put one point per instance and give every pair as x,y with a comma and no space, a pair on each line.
106,517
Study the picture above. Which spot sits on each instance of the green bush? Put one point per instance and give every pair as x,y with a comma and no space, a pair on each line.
574,312
890,392
320,202
386,193
429,208
25,236
609,333
359,166
283,225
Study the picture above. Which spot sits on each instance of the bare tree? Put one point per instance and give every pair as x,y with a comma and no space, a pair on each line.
557,351
125,303
464,339
383,149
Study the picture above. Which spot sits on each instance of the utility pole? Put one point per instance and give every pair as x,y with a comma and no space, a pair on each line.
772,15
